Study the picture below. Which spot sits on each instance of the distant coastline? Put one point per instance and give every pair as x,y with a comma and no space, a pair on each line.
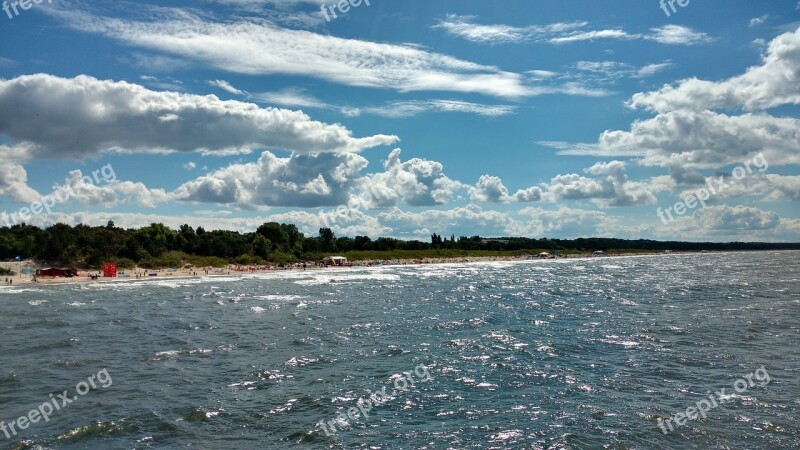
145,275
279,244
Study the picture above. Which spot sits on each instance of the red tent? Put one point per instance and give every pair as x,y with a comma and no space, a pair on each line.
110,270
55,272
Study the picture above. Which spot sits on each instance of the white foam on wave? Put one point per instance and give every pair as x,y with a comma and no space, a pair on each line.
136,284
13,290
174,353
279,297
342,277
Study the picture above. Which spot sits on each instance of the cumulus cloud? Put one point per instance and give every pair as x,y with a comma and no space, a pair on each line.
770,187
489,189
613,188
773,83
705,139
14,179
416,182
737,218
107,193
532,194
300,180
84,116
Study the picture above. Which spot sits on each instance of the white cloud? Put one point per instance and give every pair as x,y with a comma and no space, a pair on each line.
756,21
293,97
300,180
239,47
489,189
678,35
226,86
739,223
14,178
771,187
613,189
706,139
593,35
773,83
83,116
464,27
529,195
416,182
88,191
561,33
402,109
612,70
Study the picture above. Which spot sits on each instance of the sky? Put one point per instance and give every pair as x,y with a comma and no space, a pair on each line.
634,119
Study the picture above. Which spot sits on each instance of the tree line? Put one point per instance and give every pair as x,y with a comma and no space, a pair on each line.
157,245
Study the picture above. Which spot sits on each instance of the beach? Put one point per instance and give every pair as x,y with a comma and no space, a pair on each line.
143,275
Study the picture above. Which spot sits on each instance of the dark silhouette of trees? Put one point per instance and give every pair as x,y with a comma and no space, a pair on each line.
157,244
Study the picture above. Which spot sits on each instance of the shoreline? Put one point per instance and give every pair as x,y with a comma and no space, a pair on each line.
242,271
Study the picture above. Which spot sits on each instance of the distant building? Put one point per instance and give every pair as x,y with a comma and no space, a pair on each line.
335,261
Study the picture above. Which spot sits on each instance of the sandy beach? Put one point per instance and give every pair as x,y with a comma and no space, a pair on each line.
144,275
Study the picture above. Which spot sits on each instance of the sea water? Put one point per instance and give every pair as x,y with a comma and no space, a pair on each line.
553,354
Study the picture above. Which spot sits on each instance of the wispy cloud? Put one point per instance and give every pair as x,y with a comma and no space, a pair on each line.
292,97
678,35
756,21
613,70
261,48
464,27
400,109
562,33
226,86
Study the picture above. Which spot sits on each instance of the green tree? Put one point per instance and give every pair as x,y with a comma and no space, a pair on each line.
327,240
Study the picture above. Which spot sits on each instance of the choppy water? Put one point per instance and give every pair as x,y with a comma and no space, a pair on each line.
565,354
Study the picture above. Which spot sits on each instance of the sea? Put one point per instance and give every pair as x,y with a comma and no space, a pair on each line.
672,351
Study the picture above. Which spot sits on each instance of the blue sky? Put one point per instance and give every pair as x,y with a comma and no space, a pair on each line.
531,118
